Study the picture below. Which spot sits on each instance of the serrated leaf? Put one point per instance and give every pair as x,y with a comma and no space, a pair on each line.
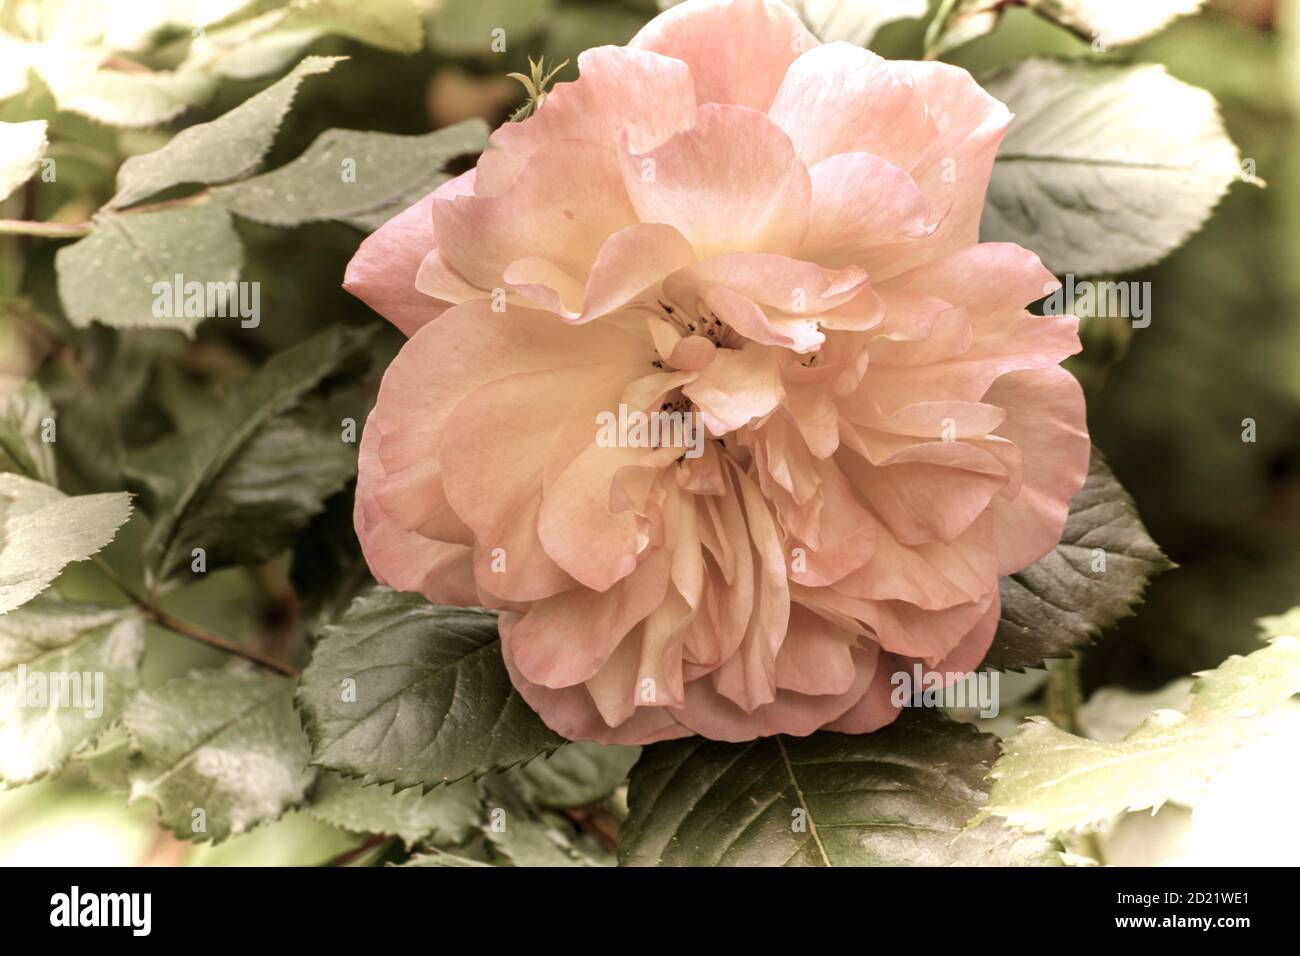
445,815
1066,598
899,796
110,274
66,673
575,775
353,176
244,487
228,743
1048,780
1107,23
24,412
1106,168
524,835
118,97
227,148
42,530
21,147
400,690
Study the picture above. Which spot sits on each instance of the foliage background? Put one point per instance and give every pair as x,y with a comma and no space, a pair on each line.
1165,403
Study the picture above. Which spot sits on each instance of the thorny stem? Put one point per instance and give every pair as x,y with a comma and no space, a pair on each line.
195,633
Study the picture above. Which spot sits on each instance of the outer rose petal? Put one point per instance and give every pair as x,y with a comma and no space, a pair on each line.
382,273
406,560
738,50
572,713
1047,419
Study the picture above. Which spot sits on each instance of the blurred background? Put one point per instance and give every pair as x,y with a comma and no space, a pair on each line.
1166,402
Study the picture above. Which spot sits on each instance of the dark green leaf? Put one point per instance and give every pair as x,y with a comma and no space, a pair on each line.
1061,602
896,797
243,488
403,691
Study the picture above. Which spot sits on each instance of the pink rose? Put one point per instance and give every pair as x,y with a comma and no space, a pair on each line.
776,238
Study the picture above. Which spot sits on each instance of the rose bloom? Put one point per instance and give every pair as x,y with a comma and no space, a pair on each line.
723,218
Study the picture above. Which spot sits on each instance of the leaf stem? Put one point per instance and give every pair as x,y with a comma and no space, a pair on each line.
184,628
49,230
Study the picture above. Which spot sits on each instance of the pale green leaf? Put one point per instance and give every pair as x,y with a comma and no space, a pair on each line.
21,147
24,414
1105,169
353,176
111,274
523,835
1048,780
388,24
896,797
227,148
445,815
42,530
470,27
1094,577
66,673
227,743
1105,23
400,690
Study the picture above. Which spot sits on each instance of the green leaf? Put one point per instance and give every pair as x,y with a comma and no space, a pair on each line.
227,743
388,24
42,530
855,21
1106,168
899,796
110,275
229,147
526,836
1106,23
1048,780
403,691
575,775
244,487
66,673
328,569
440,858
21,147
117,97
24,412
353,177
444,815
1094,577
467,27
